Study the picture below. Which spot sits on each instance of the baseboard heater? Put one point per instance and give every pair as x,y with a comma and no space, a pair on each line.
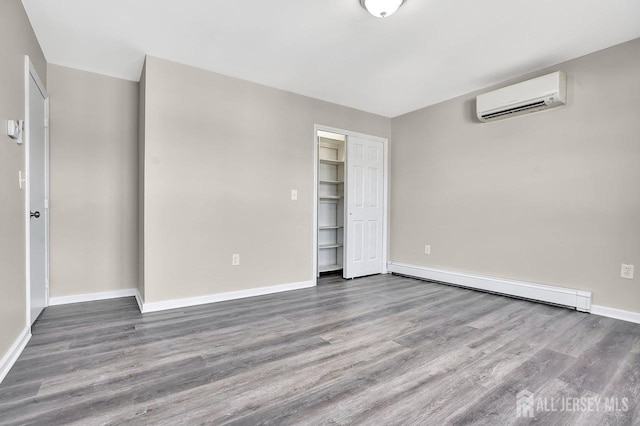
571,298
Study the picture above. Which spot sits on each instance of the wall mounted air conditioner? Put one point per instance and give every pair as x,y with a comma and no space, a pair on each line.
548,91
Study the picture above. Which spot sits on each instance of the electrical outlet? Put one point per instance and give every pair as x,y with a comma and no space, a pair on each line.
626,271
294,194
235,259
427,249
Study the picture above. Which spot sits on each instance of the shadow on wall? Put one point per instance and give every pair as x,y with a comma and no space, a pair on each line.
470,110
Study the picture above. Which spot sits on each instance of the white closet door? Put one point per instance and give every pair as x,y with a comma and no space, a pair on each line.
365,207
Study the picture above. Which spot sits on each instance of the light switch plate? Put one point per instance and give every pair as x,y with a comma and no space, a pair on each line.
294,194
14,130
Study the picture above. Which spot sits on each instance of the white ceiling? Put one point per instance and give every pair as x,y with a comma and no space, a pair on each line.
429,51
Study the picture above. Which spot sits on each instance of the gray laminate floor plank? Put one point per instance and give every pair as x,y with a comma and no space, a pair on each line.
583,335
246,393
497,406
377,350
460,379
594,368
622,389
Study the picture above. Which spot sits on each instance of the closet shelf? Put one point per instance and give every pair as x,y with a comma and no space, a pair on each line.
332,162
329,246
333,182
330,227
331,197
329,268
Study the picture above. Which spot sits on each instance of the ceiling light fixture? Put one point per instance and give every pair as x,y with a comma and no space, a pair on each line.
381,8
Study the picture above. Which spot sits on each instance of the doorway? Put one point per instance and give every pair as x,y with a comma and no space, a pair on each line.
350,203
36,128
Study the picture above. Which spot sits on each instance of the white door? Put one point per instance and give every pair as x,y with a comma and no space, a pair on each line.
37,193
365,207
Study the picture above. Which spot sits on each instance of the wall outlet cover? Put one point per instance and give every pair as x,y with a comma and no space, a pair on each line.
235,259
427,249
626,271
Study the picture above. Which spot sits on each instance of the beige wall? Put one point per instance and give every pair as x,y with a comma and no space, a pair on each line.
552,198
221,157
93,181
16,40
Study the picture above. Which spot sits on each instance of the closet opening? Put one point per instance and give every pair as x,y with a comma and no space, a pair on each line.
331,213
350,203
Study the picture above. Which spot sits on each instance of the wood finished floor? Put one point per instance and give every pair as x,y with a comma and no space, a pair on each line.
377,350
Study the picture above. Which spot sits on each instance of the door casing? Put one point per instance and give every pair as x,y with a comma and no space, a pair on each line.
31,73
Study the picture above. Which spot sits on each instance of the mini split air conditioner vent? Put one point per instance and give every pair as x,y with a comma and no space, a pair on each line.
514,110
548,91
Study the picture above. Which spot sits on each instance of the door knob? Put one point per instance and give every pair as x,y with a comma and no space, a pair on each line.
35,214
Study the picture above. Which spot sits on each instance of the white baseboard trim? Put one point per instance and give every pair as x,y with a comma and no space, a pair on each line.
139,300
91,297
11,356
178,303
616,313
579,299
221,297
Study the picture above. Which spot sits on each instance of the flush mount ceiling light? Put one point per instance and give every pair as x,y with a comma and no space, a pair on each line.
381,8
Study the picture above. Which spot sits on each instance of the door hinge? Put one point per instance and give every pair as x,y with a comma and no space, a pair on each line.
46,122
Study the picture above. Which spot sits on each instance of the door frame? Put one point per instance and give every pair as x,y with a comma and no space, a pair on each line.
30,72
385,220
